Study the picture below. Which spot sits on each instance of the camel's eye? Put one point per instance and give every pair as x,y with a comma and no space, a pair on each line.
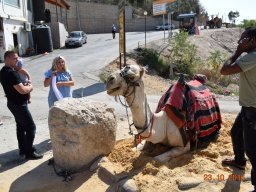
111,78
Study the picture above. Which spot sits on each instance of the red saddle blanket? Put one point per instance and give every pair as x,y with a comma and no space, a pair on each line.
193,108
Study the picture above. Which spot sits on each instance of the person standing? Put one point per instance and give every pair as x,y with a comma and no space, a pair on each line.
243,131
114,31
64,80
17,102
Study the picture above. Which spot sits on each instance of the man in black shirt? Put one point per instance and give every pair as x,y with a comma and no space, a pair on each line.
17,100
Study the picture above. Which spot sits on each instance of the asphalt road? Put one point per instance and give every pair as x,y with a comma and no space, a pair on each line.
85,64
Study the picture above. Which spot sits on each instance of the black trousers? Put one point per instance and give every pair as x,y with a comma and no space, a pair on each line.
243,134
25,126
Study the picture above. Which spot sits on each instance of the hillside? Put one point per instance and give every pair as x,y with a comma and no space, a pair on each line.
223,40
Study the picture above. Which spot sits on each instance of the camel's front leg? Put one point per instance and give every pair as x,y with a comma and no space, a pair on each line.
140,146
174,152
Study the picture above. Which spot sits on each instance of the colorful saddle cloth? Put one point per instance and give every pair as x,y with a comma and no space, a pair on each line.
193,108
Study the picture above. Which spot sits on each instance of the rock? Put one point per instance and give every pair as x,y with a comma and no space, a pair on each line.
187,183
80,131
127,185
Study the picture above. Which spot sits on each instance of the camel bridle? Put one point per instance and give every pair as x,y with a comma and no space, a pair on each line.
131,83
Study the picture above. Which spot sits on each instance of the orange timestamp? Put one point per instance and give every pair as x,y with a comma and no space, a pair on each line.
221,177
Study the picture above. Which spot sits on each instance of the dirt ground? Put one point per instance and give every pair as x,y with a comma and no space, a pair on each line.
195,172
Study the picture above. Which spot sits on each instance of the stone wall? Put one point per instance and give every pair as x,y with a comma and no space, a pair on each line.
98,18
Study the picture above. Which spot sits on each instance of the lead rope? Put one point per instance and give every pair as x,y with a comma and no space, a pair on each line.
66,174
127,115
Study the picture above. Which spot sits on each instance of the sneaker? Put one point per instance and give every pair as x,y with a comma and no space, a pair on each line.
34,156
22,152
231,162
1,123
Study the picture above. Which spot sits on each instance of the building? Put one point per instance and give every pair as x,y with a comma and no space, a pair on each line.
15,26
17,18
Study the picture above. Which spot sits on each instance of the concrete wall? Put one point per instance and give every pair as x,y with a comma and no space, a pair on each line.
59,34
98,18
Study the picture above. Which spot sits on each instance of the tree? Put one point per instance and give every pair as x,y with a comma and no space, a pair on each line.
233,15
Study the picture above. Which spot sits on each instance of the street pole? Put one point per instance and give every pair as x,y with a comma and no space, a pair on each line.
171,24
145,14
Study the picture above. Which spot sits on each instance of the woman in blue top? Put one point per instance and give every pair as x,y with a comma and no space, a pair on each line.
64,80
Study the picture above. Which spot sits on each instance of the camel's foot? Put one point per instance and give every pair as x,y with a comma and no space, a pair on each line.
145,146
173,152
163,158
149,147
140,146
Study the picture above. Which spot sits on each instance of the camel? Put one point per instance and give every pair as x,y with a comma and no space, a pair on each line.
151,127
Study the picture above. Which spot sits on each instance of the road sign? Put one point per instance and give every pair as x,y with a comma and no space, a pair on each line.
121,33
159,6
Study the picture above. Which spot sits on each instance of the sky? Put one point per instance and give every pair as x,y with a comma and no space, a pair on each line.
246,8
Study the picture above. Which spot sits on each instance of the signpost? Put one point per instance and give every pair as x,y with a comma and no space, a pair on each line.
122,43
159,8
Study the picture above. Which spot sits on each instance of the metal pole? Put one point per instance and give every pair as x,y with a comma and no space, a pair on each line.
168,20
164,27
124,37
145,32
171,25
56,11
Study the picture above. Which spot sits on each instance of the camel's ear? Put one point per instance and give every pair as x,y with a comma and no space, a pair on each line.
142,71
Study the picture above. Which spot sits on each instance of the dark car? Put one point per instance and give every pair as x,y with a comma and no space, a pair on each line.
76,39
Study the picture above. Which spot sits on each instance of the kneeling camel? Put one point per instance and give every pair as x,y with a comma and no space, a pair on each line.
155,127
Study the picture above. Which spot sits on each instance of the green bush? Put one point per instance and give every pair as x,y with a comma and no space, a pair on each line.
150,58
215,61
183,54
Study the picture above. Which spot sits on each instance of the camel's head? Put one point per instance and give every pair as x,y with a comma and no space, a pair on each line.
119,82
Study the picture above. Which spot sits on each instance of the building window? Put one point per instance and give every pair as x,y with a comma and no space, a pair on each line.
15,3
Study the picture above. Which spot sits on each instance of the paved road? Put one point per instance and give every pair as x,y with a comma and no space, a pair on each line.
85,64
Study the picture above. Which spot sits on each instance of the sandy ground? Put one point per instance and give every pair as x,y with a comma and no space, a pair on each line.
200,171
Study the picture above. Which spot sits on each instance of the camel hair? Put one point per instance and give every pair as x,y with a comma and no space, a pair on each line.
151,127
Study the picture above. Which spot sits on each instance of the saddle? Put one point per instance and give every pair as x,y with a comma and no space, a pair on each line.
193,108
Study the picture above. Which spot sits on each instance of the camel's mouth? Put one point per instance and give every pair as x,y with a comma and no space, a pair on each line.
113,90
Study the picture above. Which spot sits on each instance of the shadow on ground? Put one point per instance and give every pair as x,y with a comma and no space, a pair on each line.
43,178
90,90
12,158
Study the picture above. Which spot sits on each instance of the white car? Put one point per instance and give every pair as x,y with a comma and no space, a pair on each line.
165,27
76,38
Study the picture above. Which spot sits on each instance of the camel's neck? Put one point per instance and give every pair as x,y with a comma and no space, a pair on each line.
141,112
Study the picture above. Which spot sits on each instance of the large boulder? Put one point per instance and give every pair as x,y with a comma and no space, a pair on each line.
80,131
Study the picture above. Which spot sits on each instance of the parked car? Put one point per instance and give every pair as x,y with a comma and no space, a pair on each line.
165,27
76,38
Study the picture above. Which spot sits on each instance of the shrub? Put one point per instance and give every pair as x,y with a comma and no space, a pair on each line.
214,61
150,58
183,54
